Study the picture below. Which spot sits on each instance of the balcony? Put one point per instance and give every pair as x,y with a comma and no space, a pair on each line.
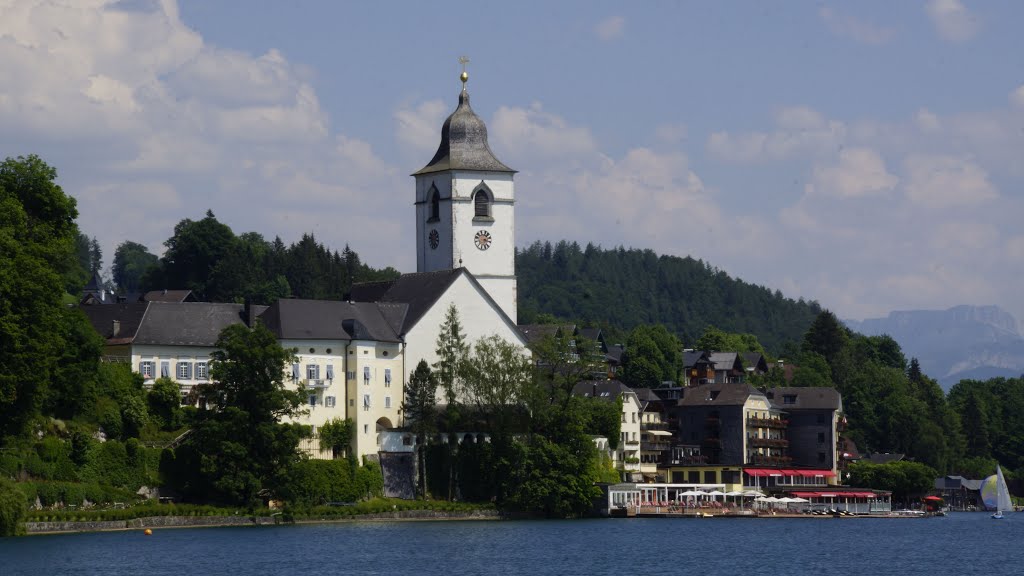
756,442
655,446
317,384
687,460
763,460
654,426
767,422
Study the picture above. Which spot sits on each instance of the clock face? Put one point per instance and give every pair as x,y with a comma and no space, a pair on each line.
434,239
482,240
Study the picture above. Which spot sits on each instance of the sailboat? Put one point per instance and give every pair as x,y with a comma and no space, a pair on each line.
1003,501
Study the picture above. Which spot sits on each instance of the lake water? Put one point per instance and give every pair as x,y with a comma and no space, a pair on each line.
962,543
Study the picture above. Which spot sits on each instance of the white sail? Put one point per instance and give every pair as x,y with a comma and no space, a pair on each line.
1003,502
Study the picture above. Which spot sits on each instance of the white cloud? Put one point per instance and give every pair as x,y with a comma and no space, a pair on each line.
847,26
859,172
148,124
945,181
610,28
531,133
1017,97
799,131
952,20
418,129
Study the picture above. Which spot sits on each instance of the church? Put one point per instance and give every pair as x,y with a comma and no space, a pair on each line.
354,357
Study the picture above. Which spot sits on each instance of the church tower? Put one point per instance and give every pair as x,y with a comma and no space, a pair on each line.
465,200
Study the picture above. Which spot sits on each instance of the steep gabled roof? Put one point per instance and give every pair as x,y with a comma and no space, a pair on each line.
607,389
169,296
718,395
295,319
535,332
818,398
129,317
187,323
693,357
418,291
724,360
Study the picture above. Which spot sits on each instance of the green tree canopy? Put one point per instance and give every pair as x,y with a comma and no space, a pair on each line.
131,262
239,450
37,235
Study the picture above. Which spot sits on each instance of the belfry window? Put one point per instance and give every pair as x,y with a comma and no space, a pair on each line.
435,204
482,204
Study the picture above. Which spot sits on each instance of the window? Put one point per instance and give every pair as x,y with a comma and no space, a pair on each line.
821,437
201,372
295,371
366,402
312,399
789,398
633,414
313,371
821,418
710,477
481,205
623,417
387,377
821,456
693,477
184,370
366,374
146,369
435,204
352,402
329,401
351,375
330,372
165,369
366,428
387,401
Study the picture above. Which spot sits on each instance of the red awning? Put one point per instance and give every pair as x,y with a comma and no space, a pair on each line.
816,473
806,494
933,498
758,472
790,472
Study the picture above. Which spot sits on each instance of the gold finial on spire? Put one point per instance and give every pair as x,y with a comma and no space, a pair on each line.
465,75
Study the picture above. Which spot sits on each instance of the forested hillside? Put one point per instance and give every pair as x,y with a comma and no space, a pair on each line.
621,288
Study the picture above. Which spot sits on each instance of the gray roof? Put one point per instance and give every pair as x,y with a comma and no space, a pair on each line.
691,357
723,360
608,389
186,323
169,296
956,483
294,319
535,332
718,395
128,315
418,292
818,398
464,144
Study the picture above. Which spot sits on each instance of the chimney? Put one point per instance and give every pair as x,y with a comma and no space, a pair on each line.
249,312
116,330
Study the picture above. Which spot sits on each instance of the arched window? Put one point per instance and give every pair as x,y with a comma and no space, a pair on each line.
482,203
435,204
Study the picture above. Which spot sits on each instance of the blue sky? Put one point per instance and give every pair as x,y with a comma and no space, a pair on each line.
866,155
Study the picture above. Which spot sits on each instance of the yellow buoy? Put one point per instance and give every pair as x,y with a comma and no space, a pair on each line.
147,532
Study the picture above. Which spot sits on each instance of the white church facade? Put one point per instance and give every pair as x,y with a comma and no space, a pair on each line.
354,356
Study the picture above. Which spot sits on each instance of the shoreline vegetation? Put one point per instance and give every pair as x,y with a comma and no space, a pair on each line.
39,522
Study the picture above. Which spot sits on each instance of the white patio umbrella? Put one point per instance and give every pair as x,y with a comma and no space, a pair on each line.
714,493
753,493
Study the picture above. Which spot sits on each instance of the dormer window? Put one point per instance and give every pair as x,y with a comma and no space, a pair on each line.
481,204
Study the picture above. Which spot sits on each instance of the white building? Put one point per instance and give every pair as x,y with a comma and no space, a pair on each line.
353,357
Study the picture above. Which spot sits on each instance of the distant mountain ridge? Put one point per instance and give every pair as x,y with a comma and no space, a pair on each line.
976,342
